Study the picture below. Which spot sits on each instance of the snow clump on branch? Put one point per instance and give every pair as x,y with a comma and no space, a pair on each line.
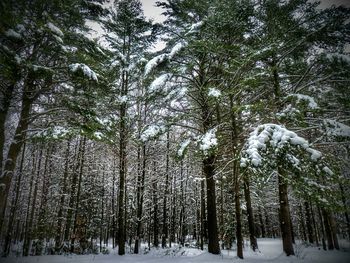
278,138
88,72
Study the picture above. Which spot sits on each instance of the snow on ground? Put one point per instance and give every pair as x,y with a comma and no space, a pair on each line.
270,251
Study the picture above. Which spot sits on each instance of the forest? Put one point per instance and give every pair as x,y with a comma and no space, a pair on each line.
224,125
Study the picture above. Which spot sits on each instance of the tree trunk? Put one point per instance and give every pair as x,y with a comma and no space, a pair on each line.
322,229
203,225
14,204
29,228
122,175
346,214
328,229
140,195
262,226
58,238
165,218
309,223
208,164
5,101
285,214
155,209
77,202
238,212
302,223
251,225
73,186
13,152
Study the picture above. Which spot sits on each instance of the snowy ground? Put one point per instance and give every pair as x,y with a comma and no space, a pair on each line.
270,251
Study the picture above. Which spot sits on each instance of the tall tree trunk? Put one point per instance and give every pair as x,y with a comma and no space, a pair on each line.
203,217
346,214
322,229
309,223
165,218
122,175
58,237
328,229
139,197
262,226
13,152
73,186
302,223
250,215
155,209
77,202
29,228
14,204
5,101
238,212
208,168
285,214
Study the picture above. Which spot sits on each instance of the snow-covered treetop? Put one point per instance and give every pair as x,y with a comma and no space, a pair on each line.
279,139
87,71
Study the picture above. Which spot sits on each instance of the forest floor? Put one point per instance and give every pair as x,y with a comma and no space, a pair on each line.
270,251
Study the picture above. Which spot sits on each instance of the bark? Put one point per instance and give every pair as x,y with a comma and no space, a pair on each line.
14,204
29,228
238,213
302,223
262,226
5,101
122,176
251,224
203,225
328,229
309,223
346,214
77,202
139,197
165,218
322,229
208,164
13,152
58,237
73,186
155,211
285,221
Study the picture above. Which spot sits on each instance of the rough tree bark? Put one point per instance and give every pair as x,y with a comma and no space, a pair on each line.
285,214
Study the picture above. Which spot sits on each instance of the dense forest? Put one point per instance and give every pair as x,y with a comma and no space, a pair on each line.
237,129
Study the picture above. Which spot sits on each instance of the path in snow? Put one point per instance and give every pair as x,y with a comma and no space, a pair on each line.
270,251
